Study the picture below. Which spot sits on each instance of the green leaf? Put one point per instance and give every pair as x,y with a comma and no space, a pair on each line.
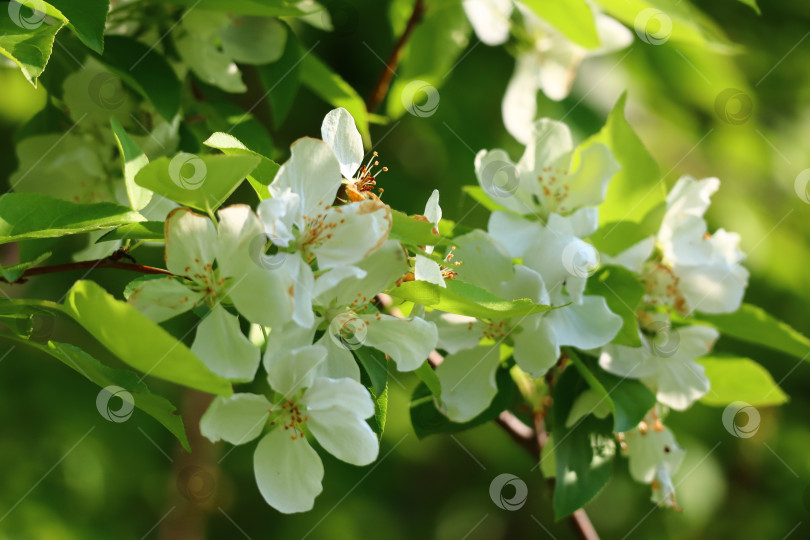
137,341
428,58
262,8
479,195
465,299
380,411
573,18
330,87
410,230
91,369
622,291
14,272
628,399
261,176
133,160
740,379
30,215
426,419
686,24
198,181
427,375
375,366
752,324
637,187
143,230
146,71
30,48
282,79
583,454
753,5
87,19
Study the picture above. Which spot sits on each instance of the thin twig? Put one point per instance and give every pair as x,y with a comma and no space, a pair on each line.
89,265
384,81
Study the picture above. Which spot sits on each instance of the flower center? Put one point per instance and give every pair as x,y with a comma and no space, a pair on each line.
554,186
291,418
365,180
207,281
662,287
496,330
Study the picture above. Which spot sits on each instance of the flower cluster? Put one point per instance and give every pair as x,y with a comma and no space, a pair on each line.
303,271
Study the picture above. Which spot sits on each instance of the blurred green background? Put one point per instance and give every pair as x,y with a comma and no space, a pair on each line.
69,474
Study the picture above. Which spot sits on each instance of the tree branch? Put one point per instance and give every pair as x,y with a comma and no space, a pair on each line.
87,266
384,81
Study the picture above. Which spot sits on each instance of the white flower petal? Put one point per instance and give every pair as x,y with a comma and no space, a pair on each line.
433,212
526,283
383,268
313,172
328,285
279,214
163,298
457,332
715,288
502,182
613,35
489,19
425,269
407,341
286,338
289,372
588,325
589,183
484,261
337,409
339,362
223,348
549,145
288,472
354,231
645,453
237,419
633,362
262,296
515,233
468,382
680,383
339,131
519,105
536,349
191,241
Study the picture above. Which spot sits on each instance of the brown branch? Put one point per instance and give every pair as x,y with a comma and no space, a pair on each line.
87,266
384,81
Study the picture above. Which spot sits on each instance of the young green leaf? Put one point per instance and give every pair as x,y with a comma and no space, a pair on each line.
87,19
260,8
30,215
26,38
282,79
427,375
754,325
410,230
198,181
740,379
330,87
465,299
261,176
479,195
622,291
573,18
637,187
146,71
375,366
91,369
583,453
143,230
628,399
137,341
133,160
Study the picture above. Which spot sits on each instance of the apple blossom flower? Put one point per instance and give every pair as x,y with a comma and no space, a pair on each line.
219,267
333,411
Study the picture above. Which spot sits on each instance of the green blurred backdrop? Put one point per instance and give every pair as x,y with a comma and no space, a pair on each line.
127,481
